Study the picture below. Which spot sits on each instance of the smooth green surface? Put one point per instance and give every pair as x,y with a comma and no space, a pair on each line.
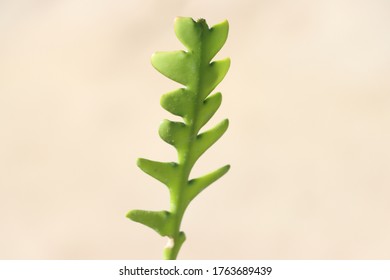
191,68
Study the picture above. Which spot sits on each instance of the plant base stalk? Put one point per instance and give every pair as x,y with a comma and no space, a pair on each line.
173,246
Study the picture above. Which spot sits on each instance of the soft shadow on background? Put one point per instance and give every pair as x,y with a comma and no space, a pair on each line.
308,98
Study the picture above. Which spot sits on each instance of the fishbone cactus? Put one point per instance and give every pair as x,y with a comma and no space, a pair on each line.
199,76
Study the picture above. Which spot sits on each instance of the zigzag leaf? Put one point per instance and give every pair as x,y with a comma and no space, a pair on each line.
178,102
195,186
209,107
157,220
165,172
188,32
206,139
215,74
174,133
175,65
215,39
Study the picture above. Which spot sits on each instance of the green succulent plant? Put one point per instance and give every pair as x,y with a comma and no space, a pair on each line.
199,76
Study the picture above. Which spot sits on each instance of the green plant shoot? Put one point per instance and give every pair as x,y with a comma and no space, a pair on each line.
199,76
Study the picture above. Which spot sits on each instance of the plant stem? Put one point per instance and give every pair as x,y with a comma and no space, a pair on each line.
192,69
178,202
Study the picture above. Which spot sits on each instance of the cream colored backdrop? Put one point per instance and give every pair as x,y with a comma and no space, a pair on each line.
308,98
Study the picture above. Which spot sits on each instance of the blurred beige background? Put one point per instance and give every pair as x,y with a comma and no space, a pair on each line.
308,98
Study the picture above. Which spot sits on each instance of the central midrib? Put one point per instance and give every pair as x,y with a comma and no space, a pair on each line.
188,161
